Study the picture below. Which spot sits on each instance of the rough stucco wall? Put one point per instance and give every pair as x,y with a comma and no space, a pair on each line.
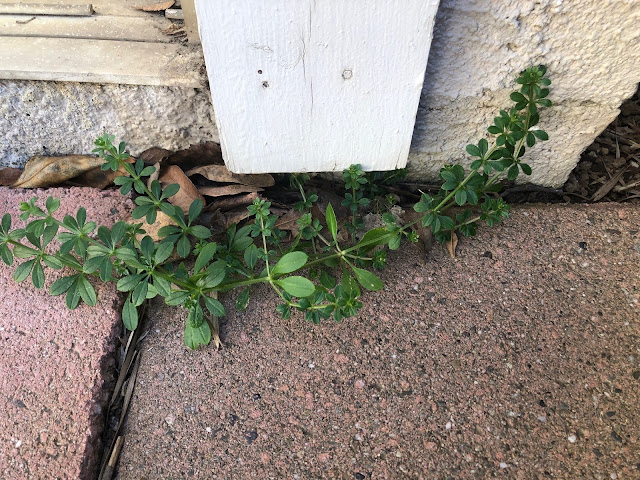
591,47
65,117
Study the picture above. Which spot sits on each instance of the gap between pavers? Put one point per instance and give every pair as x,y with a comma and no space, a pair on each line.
56,365
518,358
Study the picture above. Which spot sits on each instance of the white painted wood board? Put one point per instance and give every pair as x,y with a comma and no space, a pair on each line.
99,61
315,85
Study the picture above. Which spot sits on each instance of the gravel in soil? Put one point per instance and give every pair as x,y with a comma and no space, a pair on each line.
518,358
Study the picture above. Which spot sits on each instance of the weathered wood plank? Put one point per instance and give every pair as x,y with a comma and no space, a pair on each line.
122,8
138,29
46,9
190,21
315,86
100,61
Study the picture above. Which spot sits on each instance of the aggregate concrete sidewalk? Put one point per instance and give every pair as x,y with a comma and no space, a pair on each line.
518,359
56,365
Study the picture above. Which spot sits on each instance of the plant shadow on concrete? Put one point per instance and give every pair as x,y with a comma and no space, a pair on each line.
337,256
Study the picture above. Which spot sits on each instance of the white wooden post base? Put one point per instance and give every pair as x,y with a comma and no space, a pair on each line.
315,85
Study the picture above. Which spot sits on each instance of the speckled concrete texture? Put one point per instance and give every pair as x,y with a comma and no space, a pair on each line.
517,359
61,118
55,364
591,48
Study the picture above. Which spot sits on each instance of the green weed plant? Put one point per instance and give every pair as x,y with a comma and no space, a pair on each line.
317,273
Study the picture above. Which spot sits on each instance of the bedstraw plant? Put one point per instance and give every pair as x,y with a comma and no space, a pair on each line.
336,269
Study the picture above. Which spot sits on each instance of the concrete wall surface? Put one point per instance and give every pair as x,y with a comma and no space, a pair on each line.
591,48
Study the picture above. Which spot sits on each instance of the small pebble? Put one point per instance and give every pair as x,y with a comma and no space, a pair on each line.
358,437
18,443
208,429
542,418
572,438
311,365
448,426
170,419
503,465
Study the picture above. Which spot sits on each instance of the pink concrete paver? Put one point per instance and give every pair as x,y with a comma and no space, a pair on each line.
55,364
517,359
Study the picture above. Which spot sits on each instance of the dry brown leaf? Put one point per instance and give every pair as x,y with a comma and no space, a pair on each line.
154,155
229,203
452,243
156,7
46,171
162,220
220,173
207,153
187,193
98,178
227,190
289,221
9,175
236,216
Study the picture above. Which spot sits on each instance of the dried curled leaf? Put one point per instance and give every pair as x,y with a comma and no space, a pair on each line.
156,7
187,193
9,175
452,243
227,190
220,173
46,171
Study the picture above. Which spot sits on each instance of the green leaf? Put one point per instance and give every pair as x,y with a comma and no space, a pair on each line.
197,336
52,262
251,256
289,263
6,222
377,236
37,275
194,209
367,279
129,315
327,280
23,271
473,150
395,241
296,286
62,285
162,286
184,246
332,223
243,299
52,204
200,231
163,252
170,191
512,173
126,253
461,197
22,251
518,97
206,254
129,282
117,232
540,134
6,254
214,306
177,297
215,274
86,291
139,294
73,296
